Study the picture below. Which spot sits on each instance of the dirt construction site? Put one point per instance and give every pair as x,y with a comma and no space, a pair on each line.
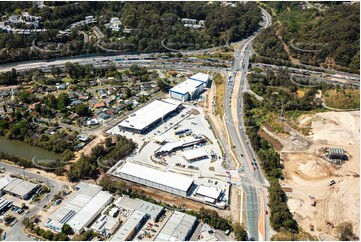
308,174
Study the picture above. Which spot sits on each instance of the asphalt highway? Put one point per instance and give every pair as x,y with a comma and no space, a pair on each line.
252,178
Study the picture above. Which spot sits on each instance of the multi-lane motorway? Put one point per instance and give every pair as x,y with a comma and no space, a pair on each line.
252,178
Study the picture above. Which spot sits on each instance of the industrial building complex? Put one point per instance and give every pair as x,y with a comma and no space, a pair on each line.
171,182
179,227
144,119
18,187
166,181
130,227
82,208
122,219
191,88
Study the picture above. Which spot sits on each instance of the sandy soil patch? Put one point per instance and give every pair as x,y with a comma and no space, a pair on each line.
308,173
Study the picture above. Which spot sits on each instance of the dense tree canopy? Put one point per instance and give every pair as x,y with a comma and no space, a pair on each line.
151,22
326,37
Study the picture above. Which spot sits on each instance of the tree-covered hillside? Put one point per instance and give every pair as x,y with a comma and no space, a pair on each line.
148,22
322,34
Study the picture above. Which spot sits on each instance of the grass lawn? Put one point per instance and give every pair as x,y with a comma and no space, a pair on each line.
219,81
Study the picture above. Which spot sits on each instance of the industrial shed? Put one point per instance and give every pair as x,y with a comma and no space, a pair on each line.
81,209
194,154
20,188
186,90
130,227
179,227
190,88
166,181
200,77
143,120
129,204
210,194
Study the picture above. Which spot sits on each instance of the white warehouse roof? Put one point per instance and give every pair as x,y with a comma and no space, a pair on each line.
201,77
20,187
5,180
125,231
92,208
177,228
194,154
85,202
169,179
188,86
147,115
211,192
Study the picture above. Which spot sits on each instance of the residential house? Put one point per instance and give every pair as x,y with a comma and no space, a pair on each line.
92,122
99,105
75,102
83,137
103,116
73,116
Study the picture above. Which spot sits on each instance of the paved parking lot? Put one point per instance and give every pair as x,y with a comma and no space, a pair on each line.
199,126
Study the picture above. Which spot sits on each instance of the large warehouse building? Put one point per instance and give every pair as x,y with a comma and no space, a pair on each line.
130,227
166,181
143,120
190,88
81,209
179,227
130,205
17,187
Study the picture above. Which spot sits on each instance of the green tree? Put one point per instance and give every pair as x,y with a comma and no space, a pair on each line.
345,232
240,232
63,101
67,155
66,229
82,110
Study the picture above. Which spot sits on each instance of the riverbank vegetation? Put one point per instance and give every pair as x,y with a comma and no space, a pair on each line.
102,157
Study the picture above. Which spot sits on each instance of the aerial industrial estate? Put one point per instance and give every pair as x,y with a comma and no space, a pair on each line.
179,121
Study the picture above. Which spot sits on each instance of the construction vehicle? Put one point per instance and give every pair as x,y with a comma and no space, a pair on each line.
313,200
329,223
312,228
332,182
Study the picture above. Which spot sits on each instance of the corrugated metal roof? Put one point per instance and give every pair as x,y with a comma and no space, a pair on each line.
169,179
148,115
336,151
89,210
177,227
75,203
129,225
20,187
194,153
201,77
188,86
212,192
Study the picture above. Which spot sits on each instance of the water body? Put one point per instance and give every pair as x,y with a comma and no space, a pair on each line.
23,150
